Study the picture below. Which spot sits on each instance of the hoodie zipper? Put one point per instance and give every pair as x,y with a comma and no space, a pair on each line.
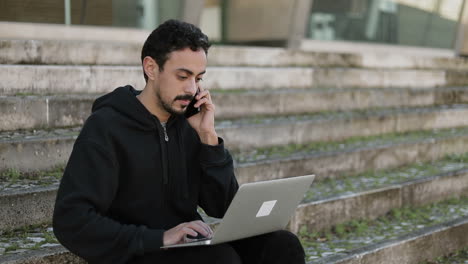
164,154
166,137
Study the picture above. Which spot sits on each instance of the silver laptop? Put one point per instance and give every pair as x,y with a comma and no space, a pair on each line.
258,208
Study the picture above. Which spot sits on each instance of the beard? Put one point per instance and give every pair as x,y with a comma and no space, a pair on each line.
168,106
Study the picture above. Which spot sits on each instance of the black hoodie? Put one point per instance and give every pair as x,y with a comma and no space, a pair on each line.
127,181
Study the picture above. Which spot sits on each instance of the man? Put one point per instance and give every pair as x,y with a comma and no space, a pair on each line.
139,168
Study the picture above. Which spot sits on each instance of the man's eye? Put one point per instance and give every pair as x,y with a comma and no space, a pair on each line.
182,77
199,79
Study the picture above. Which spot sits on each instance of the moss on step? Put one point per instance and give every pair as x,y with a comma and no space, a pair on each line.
14,175
27,238
377,179
380,112
15,180
357,233
459,257
292,150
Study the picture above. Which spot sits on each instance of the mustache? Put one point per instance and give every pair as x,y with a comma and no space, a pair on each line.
184,97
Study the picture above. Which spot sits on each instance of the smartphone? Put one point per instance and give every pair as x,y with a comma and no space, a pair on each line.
191,109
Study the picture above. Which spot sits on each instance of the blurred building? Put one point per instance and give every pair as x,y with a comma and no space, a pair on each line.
306,24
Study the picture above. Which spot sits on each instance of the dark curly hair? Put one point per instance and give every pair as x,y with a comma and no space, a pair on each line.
170,36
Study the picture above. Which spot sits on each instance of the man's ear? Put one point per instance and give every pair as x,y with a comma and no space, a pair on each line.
150,67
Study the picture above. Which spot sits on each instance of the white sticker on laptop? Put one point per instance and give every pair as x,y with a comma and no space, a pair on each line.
266,208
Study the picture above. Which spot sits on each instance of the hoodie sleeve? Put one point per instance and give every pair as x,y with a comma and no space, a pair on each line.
88,186
218,184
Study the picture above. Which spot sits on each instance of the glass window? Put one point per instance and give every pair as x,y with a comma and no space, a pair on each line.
430,23
146,14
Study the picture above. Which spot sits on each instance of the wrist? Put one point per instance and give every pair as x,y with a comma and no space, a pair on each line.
210,138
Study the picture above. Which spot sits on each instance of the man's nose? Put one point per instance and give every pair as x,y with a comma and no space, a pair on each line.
191,87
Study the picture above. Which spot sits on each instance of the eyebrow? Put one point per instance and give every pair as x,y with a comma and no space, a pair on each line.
189,72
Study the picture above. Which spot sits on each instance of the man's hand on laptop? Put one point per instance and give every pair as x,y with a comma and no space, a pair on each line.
177,234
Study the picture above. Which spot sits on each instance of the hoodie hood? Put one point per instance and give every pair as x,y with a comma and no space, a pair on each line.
124,101
135,115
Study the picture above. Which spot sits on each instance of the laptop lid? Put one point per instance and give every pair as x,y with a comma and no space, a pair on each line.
258,208
261,207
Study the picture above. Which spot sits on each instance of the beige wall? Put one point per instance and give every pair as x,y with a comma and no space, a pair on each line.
259,20
210,20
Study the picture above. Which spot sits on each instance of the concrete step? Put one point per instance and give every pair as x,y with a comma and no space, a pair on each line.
376,179
34,245
323,214
52,255
100,79
80,52
414,190
327,126
22,30
25,201
38,243
334,126
375,48
337,159
233,104
39,112
36,150
35,111
42,150
410,235
69,52
443,238
27,207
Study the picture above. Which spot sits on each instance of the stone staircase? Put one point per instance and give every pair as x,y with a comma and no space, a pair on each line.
386,135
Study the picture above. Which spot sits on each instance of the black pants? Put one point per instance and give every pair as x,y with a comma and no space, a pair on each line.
280,247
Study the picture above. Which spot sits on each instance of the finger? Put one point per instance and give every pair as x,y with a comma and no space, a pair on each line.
200,228
201,88
202,102
202,94
189,231
208,95
206,226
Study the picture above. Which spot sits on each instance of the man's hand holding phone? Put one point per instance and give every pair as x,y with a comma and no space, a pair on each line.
203,121
191,109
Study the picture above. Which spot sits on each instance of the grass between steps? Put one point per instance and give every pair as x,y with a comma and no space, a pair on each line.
338,240
376,179
335,114
358,233
14,175
294,150
321,189
341,238
27,238
460,257
13,179
40,132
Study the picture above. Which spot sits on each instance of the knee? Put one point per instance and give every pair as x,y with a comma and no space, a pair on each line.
285,237
224,254
288,244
